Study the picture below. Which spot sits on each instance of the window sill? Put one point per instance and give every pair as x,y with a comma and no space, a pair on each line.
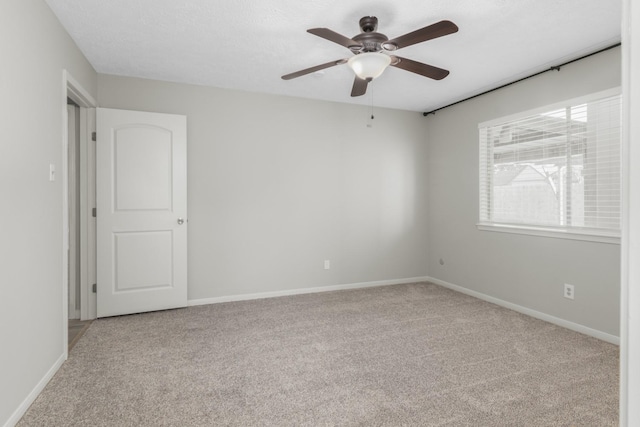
584,235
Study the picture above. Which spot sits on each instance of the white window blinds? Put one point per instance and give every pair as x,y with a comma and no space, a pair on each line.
557,169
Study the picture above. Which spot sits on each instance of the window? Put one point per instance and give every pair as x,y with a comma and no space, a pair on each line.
555,170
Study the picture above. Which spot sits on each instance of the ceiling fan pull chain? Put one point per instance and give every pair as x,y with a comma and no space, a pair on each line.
371,97
371,116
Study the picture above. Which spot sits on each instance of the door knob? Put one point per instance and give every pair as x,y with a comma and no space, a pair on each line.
180,221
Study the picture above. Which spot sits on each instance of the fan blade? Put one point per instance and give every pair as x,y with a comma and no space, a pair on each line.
332,36
433,31
313,69
359,87
419,68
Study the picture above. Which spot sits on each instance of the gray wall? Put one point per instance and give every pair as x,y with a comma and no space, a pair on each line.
279,184
34,49
525,270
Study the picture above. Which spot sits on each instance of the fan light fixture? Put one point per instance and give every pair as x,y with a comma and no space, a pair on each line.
369,65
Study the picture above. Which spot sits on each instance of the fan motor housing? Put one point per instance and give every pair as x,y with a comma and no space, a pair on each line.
371,42
370,39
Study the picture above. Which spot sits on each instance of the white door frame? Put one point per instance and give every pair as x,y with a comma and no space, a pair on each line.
87,248
630,250
73,90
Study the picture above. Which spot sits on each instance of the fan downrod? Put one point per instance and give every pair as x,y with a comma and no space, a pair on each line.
368,24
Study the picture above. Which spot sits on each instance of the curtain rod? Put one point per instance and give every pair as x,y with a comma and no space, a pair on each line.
556,68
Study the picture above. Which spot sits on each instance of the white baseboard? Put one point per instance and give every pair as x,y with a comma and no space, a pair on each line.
22,409
299,291
530,312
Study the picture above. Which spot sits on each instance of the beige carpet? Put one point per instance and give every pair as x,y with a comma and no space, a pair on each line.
415,354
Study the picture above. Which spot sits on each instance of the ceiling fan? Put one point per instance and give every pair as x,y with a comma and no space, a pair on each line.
369,48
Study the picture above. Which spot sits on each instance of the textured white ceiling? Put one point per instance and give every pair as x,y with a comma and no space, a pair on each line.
249,44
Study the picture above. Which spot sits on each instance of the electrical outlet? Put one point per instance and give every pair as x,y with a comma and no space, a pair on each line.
569,291
327,264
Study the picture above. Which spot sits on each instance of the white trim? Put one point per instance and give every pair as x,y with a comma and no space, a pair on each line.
630,250
84,208
530,312
87,221
572,234
33,395
557,105
76,92
299,291
65,217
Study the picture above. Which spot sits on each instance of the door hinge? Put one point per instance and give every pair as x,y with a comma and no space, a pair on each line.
94,288
94,136
94,212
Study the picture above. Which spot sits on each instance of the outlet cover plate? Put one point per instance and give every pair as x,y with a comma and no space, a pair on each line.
569,291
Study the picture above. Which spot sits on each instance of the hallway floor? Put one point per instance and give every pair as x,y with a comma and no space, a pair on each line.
76,329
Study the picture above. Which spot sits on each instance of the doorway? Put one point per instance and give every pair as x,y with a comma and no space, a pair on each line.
73,167
78,186
75,327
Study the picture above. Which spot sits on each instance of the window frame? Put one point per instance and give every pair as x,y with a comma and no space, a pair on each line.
609,236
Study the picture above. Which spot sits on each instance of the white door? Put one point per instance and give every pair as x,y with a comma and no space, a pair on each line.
141,198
